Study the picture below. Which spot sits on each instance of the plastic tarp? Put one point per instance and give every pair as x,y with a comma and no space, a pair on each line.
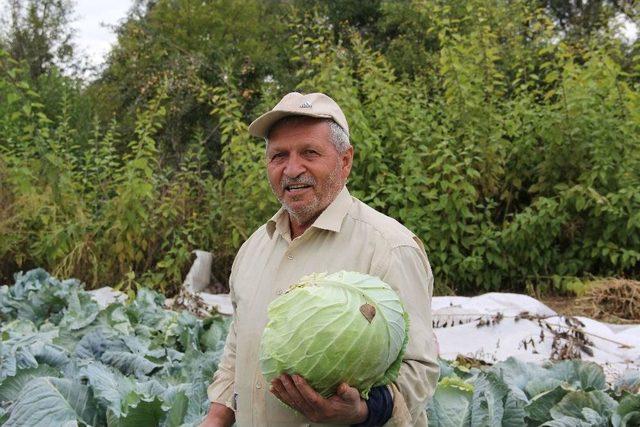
495,326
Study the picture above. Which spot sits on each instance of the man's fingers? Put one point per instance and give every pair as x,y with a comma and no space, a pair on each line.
279,391
293,393
342,393
346,395
347,392
313,398
343,389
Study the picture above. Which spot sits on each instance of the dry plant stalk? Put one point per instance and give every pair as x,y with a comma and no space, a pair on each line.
190,302
617,298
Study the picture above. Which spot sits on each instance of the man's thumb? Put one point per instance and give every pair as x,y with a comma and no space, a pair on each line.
345,392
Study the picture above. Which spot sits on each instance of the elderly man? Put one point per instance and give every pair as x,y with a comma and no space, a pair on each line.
320,228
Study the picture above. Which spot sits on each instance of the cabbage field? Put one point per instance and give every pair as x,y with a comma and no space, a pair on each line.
67,360
569,393
64,360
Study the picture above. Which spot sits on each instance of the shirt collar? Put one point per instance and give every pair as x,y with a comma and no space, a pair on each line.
330,219
280,222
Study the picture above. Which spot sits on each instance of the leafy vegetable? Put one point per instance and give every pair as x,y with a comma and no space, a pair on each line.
628,412
342,327
53,401
451,404
122,365
570,393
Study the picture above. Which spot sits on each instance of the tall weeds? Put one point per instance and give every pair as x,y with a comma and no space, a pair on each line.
515,157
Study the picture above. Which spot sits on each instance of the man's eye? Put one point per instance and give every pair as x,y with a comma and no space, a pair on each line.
311,152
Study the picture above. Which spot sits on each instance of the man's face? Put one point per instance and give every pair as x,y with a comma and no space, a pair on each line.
305,170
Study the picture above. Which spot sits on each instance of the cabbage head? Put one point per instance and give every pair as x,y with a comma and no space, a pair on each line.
333,328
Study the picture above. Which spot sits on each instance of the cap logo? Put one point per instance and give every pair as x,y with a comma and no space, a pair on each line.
305,104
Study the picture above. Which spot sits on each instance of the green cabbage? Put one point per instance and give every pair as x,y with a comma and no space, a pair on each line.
333,328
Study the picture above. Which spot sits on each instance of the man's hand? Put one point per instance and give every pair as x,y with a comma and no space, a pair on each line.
345,407
218,416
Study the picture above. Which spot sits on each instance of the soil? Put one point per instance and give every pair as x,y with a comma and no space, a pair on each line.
608,300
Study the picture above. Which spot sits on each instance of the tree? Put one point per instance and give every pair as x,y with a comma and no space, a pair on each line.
583,17
38,32
191,43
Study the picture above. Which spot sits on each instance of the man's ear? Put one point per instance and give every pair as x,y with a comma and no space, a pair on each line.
346,160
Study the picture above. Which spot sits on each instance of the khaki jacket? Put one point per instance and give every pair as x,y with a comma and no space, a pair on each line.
348,235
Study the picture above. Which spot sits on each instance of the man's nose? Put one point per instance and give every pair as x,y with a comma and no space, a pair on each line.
294,167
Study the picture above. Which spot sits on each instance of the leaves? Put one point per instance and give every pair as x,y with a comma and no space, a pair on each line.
110,388
450,407
516,393
488,401
133,375
11,387
129,363
59,401
586,406
507,144
628,411
541,404
142,412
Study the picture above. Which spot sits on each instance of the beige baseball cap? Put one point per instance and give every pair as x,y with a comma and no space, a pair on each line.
296,104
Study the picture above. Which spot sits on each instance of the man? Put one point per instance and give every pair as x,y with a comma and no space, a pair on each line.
319,228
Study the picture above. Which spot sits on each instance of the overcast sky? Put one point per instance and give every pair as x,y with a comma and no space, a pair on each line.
93,18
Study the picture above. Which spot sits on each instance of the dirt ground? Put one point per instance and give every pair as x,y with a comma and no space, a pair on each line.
609,300
568,306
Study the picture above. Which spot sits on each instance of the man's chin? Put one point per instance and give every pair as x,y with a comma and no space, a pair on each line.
302,214
300,204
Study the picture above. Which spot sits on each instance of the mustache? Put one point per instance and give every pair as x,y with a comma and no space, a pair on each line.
301,180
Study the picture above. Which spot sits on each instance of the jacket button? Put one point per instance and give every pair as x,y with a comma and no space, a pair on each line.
290,257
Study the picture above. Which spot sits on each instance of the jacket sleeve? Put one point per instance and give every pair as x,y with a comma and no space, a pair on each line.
409,273
222,389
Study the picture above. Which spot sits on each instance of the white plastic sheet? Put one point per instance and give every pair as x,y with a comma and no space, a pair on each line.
107,295
471,326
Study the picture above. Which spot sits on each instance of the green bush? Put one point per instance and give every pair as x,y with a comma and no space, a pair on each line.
511,151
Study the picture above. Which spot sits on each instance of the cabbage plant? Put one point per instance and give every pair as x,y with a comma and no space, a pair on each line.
67,361
333,328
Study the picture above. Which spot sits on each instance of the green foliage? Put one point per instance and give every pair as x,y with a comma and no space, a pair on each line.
38,33
215,41
503,135
64,359
514,393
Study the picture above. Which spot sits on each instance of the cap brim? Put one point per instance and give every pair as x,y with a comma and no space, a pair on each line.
260,126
